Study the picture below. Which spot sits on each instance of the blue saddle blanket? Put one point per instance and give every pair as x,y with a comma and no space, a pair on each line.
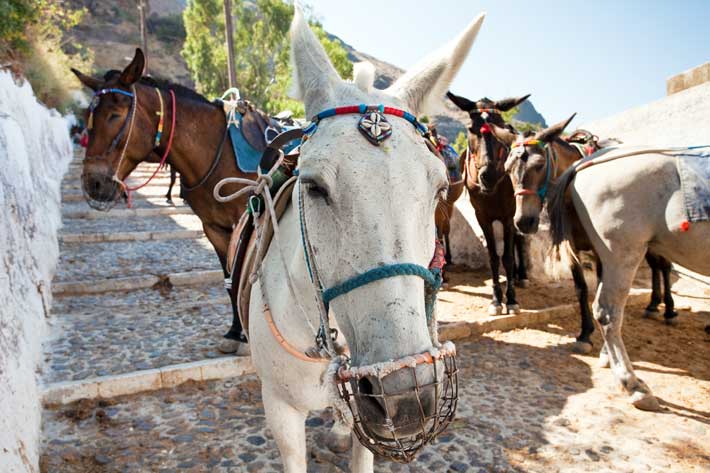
247,156
694,171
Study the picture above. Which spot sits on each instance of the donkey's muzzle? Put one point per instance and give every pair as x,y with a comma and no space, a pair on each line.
100,190
527,224
400,406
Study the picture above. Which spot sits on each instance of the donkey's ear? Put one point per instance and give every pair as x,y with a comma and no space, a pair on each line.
508,104
134,71
461,102
549,134
364,76
423,87
88,81
314,77
503,134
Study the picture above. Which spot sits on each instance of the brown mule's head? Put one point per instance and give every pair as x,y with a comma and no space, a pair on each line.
488,151
120,133
530,165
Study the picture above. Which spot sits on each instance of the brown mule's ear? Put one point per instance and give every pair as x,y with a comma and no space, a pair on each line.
502,134
461,102
508,104
134,71
88,81
550,133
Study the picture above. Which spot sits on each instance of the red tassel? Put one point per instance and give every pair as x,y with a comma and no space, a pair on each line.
685,226
84,140
485,129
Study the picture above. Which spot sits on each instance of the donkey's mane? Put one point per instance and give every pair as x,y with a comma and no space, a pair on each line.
165,84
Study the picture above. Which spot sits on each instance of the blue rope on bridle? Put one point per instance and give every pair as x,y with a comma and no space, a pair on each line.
432,282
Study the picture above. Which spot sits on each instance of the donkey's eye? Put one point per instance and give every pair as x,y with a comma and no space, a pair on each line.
113,117
318,192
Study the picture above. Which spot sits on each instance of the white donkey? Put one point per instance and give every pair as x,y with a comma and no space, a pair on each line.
363,208
630,201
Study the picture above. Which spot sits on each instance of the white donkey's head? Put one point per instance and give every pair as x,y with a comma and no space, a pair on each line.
368,203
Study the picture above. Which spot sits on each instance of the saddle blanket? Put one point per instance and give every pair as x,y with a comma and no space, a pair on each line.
247,156
451,160
694,171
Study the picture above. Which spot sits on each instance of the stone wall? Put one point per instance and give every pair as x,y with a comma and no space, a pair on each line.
690,78
34,153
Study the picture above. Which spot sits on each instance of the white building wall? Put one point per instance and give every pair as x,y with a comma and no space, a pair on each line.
34,153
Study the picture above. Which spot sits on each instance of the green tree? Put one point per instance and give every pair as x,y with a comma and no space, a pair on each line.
261,50
461,142
36,43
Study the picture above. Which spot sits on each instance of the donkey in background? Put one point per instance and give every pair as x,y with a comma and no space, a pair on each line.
491,193
534,165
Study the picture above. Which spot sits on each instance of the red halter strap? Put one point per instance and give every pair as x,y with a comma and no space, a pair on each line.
165,155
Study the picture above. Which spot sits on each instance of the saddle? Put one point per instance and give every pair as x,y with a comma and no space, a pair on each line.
585,141
250,132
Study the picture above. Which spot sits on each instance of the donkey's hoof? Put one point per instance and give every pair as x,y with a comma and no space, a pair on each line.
603,361
673,321
581,348
645,401
338,443
495,309
234,347
513,308
522,283
650,313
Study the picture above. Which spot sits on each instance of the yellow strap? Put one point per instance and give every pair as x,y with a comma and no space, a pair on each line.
161,113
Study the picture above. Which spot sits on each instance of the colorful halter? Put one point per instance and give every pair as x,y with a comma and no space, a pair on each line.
549,157
128,123
373,124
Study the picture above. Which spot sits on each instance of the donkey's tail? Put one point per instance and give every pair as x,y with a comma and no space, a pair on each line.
561,254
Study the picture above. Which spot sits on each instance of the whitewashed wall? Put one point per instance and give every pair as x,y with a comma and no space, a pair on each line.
34,153
681,119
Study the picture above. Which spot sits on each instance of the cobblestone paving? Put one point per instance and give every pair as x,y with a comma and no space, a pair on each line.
526,404
92,261
121,332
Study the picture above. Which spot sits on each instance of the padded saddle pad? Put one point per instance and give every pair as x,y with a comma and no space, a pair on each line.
248,134
694,171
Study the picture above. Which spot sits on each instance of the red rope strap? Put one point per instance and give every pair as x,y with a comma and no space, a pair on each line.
165,155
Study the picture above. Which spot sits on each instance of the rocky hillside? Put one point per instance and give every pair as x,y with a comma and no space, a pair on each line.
110,29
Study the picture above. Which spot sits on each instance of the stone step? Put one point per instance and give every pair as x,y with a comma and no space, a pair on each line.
73,180
148,192
124,213
92,262
130,236
130,283
80,205
123,332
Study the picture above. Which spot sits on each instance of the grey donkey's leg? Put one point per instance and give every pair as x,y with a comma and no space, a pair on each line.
609,313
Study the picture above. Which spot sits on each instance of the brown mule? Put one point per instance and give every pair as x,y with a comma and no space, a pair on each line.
491,193
445,206
116,146
534,164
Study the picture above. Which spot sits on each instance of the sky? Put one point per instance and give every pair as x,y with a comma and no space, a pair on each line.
596,58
